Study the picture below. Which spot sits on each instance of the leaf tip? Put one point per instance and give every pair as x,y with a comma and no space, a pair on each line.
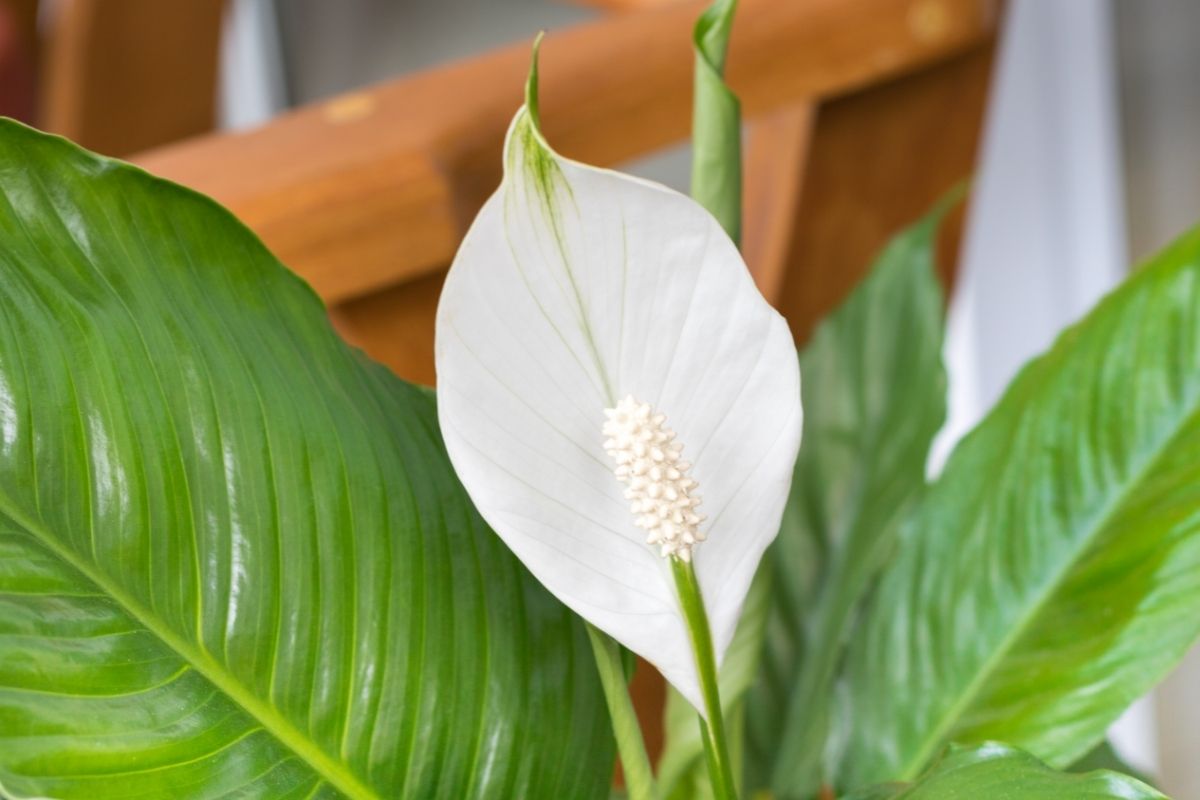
531,83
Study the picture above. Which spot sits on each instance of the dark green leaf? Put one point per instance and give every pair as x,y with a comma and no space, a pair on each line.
234,559
994,771
1050,576
1103,756
874,396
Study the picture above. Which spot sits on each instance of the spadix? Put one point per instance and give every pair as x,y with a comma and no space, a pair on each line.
604,361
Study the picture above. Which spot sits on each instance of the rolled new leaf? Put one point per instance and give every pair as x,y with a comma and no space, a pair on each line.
716,122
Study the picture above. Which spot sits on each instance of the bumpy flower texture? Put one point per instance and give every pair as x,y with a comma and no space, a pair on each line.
614,392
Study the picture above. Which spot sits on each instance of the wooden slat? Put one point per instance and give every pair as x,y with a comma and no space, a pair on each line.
624,5
125,75
776,154
377,187
879,159
18,55
395,326
25,14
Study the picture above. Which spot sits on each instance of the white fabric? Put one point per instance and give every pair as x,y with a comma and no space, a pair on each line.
1046,234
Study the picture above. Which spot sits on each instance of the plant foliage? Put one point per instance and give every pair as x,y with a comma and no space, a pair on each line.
234,559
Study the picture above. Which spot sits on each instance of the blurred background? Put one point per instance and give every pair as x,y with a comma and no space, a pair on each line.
358,137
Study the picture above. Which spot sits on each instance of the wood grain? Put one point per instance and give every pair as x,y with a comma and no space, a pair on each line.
124,75
878,161
776,154
623,5
24,14
420,154
18,54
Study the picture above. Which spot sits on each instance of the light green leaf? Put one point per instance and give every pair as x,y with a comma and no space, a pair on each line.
1050,576
234,560
874,396
716,122
993,771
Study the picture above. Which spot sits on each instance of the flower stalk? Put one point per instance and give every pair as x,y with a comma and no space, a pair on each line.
717,185
635,763
712,730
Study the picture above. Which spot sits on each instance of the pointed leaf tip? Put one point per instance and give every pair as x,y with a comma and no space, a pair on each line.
531,82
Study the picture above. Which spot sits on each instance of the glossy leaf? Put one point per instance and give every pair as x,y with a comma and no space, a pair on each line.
993,771
875,398
234,560
575,288
1050,576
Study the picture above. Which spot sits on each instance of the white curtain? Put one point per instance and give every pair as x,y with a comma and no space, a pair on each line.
1046,234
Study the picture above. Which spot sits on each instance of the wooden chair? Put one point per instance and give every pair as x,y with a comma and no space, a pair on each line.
860,113
119,76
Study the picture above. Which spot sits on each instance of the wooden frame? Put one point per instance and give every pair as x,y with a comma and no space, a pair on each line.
376,187
119,76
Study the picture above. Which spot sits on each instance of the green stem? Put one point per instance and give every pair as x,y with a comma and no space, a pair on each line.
639,778
716,748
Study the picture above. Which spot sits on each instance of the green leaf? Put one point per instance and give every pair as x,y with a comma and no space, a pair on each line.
614,677
234,560
874,397
1049,578
996,771
716,122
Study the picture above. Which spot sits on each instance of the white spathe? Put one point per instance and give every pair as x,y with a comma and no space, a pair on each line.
574,288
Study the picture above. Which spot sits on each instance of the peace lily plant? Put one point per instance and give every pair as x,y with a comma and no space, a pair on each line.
606,367
239,559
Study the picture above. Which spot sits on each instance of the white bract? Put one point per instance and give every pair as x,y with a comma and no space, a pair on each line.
597,333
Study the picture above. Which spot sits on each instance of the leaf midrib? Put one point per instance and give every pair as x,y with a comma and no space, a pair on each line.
327,768
912,769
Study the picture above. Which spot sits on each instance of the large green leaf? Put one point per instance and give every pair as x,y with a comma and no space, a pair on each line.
234,560
1052,574
994,771
874,397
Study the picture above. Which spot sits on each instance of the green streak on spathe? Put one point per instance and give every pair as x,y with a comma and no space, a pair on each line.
548,186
